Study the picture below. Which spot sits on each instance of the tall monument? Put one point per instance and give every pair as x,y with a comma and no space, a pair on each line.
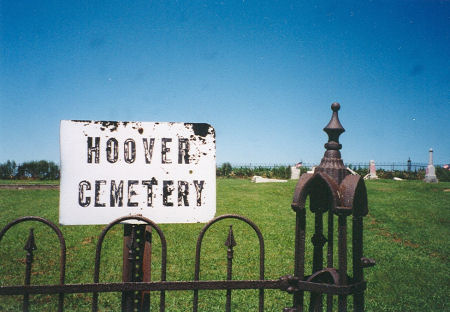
372,171
430,175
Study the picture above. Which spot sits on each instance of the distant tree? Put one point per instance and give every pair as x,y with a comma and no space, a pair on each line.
443,174
8,169
226,169
53,172
43,170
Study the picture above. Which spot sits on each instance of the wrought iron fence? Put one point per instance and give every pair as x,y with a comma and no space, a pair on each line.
333,194
323,281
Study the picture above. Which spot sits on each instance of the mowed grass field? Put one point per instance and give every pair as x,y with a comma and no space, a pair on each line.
406,232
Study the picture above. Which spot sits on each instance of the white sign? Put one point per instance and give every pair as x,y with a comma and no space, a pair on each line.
164,171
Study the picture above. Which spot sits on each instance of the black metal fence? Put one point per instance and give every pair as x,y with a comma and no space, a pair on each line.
387,166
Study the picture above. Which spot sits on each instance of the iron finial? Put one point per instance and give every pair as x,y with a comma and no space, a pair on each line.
334,129
332,163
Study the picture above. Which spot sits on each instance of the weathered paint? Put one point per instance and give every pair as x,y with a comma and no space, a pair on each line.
160,170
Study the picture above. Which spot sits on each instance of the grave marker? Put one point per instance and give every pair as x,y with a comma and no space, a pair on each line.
430,174
372,170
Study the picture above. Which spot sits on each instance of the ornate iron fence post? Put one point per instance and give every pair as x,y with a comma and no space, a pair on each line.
333,190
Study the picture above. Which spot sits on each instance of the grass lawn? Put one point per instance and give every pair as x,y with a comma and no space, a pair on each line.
406,232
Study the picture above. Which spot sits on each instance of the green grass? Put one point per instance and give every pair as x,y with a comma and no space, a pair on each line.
406,232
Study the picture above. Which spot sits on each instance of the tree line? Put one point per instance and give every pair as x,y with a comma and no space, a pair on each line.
37,170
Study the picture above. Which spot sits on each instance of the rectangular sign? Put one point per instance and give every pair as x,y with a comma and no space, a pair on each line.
163,171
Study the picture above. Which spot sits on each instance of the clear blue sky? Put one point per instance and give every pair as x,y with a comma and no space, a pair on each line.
263,73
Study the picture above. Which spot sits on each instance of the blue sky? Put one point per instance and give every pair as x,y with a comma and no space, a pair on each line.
264,74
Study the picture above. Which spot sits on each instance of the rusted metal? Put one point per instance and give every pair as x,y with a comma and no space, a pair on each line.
331,189
330,254
136,265
246,283
333,194
131,258
281,284
29,247
230,243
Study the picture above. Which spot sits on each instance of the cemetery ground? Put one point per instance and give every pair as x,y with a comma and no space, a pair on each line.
406,232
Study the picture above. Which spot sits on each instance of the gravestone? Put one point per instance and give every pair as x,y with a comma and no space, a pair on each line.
372,170
295,173
258,179
430,175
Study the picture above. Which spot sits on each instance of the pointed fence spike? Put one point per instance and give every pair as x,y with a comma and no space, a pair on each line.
230,242
30,245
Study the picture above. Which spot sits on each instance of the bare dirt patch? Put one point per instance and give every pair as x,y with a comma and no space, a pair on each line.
29,186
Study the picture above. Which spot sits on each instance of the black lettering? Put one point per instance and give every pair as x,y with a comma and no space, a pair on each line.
148,148
116,195
129,151
93,149
183,150
150,184
98,183
84,200
199,188
183,192
165,150
131,192
112,150
167,191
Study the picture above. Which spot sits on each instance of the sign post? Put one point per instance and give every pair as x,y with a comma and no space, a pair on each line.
163,171
137,244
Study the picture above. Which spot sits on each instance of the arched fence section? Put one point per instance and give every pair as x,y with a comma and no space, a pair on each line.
30,246
230,244
323,281
130,296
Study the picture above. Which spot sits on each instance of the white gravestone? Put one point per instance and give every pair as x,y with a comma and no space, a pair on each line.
372,175
258,179
295,173
372,170
430,174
